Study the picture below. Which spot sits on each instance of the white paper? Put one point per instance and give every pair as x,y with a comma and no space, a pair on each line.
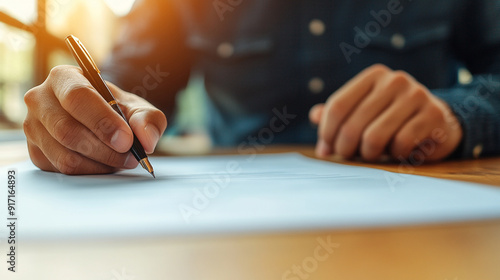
237,194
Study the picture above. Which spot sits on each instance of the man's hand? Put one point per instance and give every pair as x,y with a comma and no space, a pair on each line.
71,129
381,110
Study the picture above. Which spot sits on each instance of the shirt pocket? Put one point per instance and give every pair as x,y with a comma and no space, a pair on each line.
425,53
238,71
409,39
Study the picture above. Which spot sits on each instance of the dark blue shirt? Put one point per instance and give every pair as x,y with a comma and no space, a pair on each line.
267,62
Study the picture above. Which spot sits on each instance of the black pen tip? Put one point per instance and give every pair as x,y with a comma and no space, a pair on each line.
153,174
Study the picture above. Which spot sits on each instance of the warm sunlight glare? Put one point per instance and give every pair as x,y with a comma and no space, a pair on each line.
23,10
119,7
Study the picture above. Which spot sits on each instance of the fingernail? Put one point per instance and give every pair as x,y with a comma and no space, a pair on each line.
153,134
130,162
322,149
119,141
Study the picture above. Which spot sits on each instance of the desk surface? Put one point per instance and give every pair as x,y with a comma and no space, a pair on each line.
438,252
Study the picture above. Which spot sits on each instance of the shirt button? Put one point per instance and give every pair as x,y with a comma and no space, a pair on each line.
317,27
316,85
398,41
464,76
476,152
225,50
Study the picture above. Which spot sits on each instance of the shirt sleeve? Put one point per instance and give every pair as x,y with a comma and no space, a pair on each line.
150,57
476,42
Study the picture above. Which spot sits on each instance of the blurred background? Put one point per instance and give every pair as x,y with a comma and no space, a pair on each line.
32,36
31,42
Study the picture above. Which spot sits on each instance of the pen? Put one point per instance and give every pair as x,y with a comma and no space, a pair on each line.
93,74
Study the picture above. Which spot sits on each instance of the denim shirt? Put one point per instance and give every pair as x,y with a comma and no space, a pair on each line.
265,63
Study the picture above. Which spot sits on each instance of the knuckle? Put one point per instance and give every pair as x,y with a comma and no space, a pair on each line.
336,109
38,159
29,96
418,95
57,70
65,131
54,72
400,78
83,144
434,112
379,68
60,70
114,159
349,133
373,141
74,94
27,127
104,128
401,74
67,163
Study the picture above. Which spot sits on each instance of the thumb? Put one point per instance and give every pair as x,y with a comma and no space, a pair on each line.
316,112
147,122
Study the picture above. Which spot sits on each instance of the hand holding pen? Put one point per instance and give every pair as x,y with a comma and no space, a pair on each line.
71,128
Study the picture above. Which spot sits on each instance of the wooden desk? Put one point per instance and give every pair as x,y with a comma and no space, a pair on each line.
458,251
